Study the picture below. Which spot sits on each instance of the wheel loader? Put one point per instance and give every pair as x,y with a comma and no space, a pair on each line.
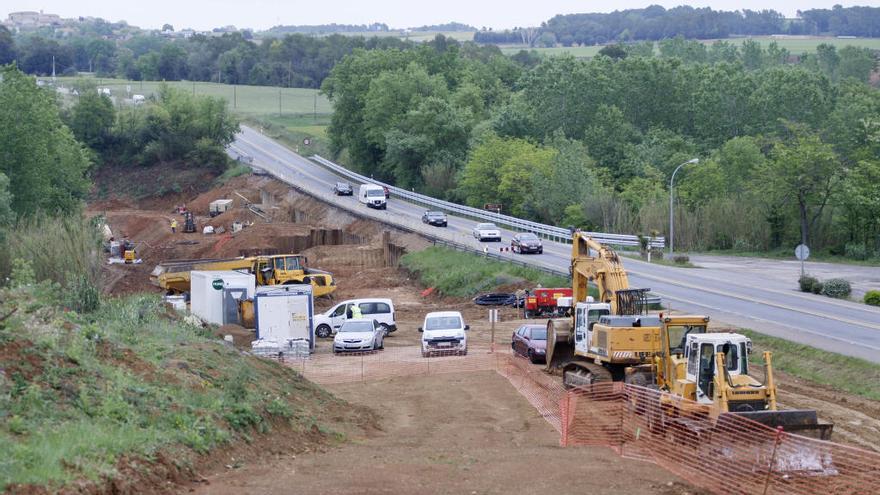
282,269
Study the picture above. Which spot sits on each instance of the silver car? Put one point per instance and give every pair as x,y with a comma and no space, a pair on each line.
361,334
487,232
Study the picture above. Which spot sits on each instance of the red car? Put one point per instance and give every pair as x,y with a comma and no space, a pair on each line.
530,341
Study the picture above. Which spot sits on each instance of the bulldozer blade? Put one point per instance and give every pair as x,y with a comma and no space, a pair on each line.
798,421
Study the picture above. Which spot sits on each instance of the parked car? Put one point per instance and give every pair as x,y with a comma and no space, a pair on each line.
526,242
362,334
343,189
329,322
530,341
487,231
444,332
495,299
436,218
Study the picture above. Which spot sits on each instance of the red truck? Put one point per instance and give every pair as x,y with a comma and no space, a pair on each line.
544,302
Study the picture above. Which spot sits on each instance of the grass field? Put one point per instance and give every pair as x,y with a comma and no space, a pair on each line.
455,273
796,46
840,372
244,100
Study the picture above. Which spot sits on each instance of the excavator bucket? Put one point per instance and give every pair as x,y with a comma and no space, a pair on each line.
796,421
560,348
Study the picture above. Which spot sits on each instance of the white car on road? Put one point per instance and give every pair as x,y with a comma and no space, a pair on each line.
444,332
361,334
487,232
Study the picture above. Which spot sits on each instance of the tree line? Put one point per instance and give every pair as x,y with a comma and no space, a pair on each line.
656,23
790,152
293,60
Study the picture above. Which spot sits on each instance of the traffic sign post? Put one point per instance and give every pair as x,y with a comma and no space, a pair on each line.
802,252
493,317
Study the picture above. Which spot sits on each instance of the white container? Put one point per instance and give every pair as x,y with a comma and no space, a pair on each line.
214,295
284,314
176,302
219,206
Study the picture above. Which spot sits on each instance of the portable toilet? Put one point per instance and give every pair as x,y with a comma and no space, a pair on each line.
215,295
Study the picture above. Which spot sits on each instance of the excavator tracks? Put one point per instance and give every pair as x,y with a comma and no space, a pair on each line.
584,373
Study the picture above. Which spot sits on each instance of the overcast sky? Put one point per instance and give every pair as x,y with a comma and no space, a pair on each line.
263,14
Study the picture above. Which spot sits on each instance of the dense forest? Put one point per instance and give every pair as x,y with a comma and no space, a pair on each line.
789,152
656,23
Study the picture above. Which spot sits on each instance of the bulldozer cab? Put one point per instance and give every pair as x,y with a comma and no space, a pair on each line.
701,351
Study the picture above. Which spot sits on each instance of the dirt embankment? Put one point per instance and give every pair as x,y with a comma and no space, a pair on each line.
275,219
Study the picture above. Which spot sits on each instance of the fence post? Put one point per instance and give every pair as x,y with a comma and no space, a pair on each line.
565,407
620,424
362,368
772,459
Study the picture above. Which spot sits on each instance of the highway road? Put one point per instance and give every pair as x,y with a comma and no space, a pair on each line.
740,298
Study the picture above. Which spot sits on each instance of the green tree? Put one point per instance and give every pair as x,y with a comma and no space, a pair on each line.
91,118
607,139
44,163
857,63
499,171
805,172
568,180
7,46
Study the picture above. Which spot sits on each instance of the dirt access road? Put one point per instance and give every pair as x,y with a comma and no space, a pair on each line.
457,433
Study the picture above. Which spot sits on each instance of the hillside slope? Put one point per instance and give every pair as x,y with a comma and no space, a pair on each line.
131,398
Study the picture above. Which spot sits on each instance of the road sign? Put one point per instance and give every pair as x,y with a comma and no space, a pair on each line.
802,252
496,207
307,141
493,316
217,284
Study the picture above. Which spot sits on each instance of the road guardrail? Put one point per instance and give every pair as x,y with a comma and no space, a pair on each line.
551,232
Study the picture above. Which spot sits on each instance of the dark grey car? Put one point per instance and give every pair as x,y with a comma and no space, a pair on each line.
343,189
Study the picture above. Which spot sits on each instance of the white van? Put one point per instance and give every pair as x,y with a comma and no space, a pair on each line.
381,310
372,196
444,333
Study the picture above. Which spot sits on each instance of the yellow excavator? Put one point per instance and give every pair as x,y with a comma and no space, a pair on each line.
614,339
601,338
282,269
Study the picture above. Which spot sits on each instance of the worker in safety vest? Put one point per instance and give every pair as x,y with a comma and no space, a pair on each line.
356,311
173,226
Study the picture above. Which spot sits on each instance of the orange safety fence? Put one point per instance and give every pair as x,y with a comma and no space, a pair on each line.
726,454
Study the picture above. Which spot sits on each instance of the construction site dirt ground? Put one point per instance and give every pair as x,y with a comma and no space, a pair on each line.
468,433
464,433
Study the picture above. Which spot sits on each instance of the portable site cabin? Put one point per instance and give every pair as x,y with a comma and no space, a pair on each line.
219,206
215,295
285,313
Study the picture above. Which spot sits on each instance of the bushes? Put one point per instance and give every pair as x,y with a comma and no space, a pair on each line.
681,259
872,298
837,288
807,282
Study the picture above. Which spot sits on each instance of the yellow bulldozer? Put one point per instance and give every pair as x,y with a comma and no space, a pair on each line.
711,371
615,339
283,269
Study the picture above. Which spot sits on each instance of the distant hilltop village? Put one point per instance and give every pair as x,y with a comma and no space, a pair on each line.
26,21
23,21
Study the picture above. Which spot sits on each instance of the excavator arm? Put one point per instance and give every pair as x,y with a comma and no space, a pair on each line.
604,269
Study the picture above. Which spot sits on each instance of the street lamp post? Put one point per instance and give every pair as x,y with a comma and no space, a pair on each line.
672,206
